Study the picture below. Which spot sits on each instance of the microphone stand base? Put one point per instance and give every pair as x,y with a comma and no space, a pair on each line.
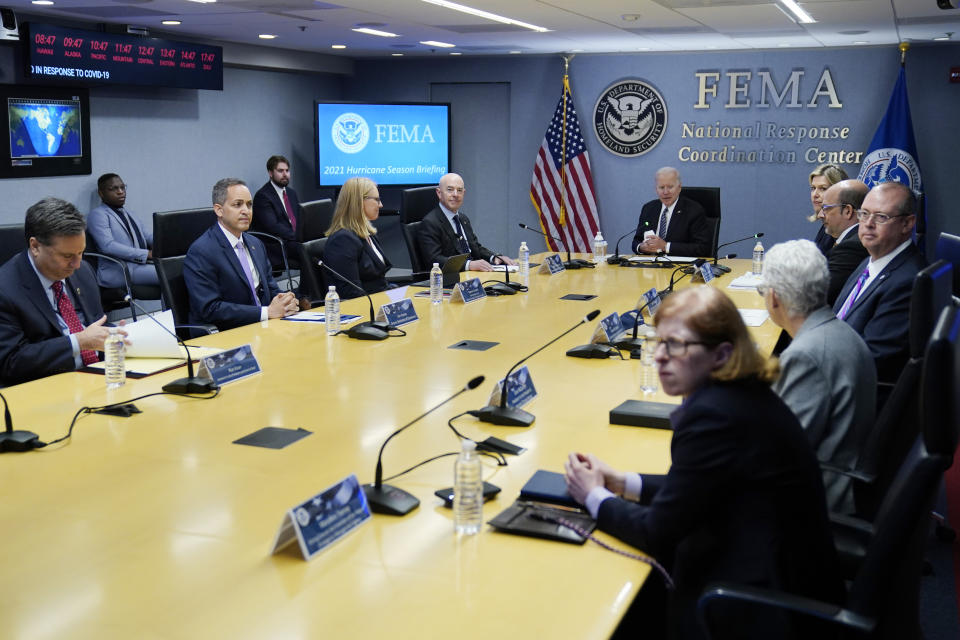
503,416
719,269
629,344
18,441
601,351
502,289
193,384
390,500
367,331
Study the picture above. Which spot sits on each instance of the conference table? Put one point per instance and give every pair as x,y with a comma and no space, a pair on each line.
159,526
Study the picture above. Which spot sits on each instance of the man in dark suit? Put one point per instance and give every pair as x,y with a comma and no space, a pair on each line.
672,224
226,271
838,210
446,231
117,233
276,210
51,320
876,298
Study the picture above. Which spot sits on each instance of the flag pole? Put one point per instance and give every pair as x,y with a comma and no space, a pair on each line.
904,47
562,219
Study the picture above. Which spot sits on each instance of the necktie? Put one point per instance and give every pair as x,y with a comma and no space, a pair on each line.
462,245
845,309
662,227
132,229
245,265
69,315
286,204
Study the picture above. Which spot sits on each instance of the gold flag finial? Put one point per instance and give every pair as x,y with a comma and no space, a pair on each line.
904,47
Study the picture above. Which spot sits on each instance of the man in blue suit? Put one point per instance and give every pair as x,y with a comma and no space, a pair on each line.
276,209
876,297
120,235
672,223
51,320
226,271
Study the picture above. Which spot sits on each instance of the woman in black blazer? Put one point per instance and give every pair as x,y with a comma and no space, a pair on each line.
743,500
351,248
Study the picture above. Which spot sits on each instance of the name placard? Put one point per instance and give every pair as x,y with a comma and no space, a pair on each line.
468,291
231,365
608,329
323,519
706,272
398,313
552,265
652,299
520,389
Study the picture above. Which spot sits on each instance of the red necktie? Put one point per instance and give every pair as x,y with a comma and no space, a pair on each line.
286,204
69,315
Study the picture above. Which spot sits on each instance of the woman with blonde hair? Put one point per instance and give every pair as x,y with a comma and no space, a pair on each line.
352,248
743,500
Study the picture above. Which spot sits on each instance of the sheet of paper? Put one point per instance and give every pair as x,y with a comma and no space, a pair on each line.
668,259
147,340
319,316
746,282
754,317
503,267
398,294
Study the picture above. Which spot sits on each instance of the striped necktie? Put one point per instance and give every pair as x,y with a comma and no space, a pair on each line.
845,309
662,227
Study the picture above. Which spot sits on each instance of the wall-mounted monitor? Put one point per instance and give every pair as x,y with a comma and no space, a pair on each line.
397,144
48,131
67,55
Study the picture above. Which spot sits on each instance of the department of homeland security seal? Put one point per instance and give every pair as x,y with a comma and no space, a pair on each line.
891,165
350,132
630,118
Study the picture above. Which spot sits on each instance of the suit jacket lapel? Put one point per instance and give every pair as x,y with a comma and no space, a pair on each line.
881,277
35,293
73,283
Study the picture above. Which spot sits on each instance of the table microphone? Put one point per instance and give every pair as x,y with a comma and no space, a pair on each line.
723,268
687,271
11,440
391,500
370,330
505,288
190,384
634,342
570,263
615,258
720,269
507,416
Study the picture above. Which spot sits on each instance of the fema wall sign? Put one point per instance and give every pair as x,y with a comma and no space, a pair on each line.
630,118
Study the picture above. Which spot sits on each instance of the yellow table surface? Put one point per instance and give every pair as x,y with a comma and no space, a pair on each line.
157,526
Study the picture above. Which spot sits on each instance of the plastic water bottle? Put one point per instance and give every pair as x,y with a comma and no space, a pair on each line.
757,267
436,284
467,490
331,311
603,249
649,379
114,351
524,260
598,248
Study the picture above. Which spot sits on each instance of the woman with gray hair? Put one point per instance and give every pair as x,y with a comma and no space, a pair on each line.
827,374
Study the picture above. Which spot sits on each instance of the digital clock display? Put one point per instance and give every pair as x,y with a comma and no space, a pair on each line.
93,57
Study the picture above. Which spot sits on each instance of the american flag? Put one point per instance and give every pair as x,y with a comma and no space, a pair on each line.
562,187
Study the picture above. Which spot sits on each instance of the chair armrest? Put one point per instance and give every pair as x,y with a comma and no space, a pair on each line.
121,263
717,594
851,523
855,474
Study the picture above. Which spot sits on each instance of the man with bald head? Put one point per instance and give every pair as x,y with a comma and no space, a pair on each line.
446,231
672,223
875,300
838,210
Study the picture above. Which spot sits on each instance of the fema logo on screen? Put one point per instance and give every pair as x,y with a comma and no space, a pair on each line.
350,132
890,165
630,118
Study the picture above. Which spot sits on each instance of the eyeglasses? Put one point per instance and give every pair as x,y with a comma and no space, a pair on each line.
454,190
878,218
830,206
379,201
676,347
762,289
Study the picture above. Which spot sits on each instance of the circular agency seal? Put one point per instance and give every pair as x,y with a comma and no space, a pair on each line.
630,118
350,132
886,165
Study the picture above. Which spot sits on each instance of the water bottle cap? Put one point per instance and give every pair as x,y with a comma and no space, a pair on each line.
113,330
332,289
523,245
436,264
469,445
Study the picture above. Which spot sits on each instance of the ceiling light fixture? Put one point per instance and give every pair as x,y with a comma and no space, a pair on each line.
266,36
42,2
375,32
456,53
802,16
338,46
203,1
486,14
396,55
435,43
171,23
947,36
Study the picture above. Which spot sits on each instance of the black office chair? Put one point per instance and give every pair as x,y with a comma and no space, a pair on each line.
410,232
882,599
175,297
175,231
416,203
12,241
313,284
709,199
948,248
315,219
